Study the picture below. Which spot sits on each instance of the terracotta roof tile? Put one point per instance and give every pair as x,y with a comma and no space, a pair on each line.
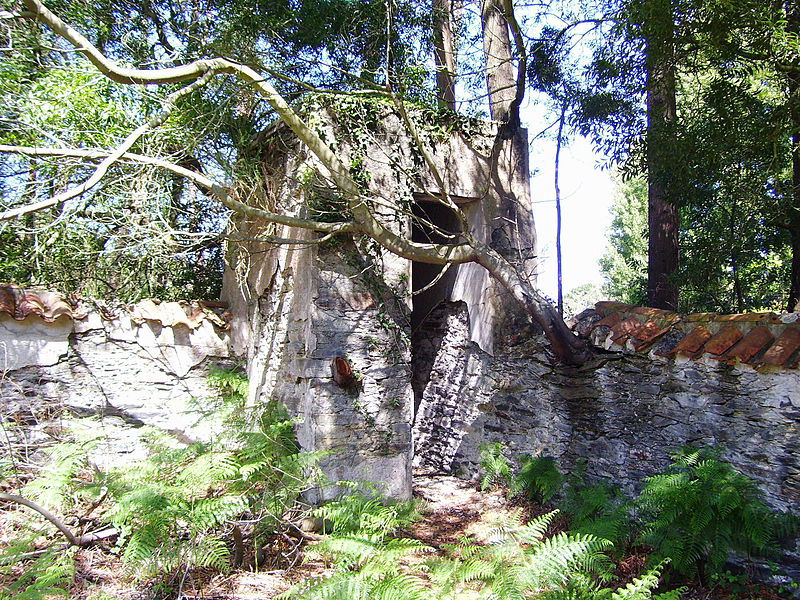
750,345
783,348
621,331
647,334
611,320
49,306
723,340
748,337
692,343
21,304
763,317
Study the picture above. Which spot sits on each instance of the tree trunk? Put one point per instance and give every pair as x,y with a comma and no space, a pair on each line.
793,303
500,79
444,53
662,263
567,347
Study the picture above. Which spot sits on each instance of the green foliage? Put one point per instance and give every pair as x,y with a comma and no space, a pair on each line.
700,510
582,297
495,467
368,559
176,508
173,508
357,513
624,263
598,508
56,481
50,574
521,562
538,478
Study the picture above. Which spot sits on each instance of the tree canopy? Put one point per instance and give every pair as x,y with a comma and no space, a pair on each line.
126,129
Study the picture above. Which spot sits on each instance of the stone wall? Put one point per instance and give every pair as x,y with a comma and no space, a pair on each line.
624,412
296,308
124,368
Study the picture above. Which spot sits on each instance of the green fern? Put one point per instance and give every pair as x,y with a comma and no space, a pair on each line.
700,510
49,575
597,508
357,513
538,478
495,468
56,481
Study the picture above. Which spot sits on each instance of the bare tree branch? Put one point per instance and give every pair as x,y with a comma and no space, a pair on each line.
567,346
82,540
102,168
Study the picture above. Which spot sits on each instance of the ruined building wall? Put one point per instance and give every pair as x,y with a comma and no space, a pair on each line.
298,307
124,368
625,412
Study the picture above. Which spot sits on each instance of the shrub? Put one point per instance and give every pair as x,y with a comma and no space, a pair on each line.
699,510
538,478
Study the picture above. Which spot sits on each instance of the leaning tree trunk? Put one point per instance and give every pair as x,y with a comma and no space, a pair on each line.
662,262
444,53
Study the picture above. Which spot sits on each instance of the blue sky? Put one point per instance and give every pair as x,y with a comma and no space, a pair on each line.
586,195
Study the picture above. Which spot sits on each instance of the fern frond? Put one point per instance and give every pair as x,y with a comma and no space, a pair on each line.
641,587
534,531
210,551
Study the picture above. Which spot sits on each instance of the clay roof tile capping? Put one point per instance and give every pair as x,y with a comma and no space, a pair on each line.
621,331
783,348
723,340
690,345
20,304
49,306
748,338
750,345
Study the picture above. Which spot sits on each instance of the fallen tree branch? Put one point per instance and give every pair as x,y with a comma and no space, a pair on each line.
80,541
96,177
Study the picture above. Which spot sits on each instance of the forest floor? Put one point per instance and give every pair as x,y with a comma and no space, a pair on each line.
452,509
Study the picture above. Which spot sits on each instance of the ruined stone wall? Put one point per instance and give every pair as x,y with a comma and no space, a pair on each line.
123,368
624,413
296,308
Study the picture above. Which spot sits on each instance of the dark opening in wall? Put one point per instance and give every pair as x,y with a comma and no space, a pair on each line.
438,224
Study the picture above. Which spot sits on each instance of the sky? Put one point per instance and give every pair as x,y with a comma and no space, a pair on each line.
586,195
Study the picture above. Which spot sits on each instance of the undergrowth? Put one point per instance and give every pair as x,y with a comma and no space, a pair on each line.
691,516
372,563
179,509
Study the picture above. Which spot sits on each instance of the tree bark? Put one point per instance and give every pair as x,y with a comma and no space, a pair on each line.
444,53
793,303
500,80
662,262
